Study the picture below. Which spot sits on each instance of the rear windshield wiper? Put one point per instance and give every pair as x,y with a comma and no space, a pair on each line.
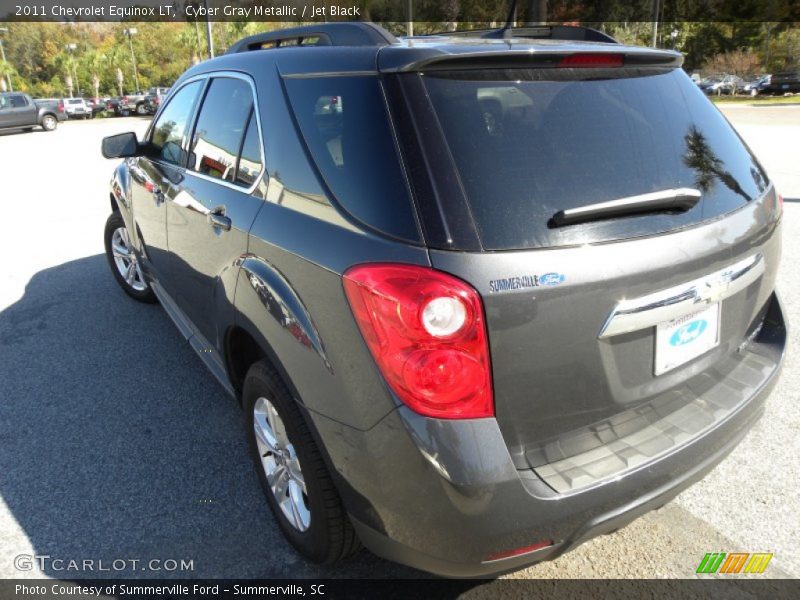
676,200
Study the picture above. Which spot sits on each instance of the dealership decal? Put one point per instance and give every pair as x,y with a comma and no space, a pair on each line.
522,282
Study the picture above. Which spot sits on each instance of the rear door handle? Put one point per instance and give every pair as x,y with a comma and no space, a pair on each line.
217,219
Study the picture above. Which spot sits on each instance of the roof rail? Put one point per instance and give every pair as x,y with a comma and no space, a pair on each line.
543,32
355,33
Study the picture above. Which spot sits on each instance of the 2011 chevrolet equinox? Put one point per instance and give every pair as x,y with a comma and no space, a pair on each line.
482,297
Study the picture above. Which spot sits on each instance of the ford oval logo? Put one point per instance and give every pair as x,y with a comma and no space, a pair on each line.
551,278
688,333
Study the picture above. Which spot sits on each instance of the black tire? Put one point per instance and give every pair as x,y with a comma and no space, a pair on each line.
49,122
330,537
114,222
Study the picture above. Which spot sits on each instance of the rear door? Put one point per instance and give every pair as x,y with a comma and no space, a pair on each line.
601,327
211,214
157,176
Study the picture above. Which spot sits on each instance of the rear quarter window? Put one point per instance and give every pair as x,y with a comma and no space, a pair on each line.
344,124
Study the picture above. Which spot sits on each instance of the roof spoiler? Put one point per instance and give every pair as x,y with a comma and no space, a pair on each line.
531,57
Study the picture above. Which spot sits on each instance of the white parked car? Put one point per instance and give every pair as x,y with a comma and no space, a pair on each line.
77,108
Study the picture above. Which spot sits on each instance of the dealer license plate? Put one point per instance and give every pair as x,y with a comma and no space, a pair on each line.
680,340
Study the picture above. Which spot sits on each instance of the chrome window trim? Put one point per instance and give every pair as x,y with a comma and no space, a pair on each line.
650,310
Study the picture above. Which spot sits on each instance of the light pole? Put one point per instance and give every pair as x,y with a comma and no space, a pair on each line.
209,35
3,56
656,5
71,49
130,32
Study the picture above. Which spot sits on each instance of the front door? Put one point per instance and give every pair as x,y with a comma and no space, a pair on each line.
158,174
20,112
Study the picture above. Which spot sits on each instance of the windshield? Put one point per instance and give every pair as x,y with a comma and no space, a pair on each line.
530,143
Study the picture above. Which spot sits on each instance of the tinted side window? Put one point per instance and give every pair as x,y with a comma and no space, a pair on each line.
344,123
220,128
18,101
249,167
167,138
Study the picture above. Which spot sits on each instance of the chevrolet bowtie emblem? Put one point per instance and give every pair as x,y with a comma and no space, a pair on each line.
716,289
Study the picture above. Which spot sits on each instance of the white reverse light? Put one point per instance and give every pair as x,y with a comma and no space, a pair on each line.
444,316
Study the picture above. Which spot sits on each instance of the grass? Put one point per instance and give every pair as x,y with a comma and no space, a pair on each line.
756,100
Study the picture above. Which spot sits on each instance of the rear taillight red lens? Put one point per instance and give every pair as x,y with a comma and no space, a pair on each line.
427,333
591,59
520,551
60,107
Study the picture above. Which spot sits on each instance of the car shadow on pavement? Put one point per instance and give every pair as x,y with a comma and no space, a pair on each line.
117,444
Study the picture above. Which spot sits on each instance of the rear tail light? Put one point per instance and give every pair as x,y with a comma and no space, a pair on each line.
592,60
427,333
60,107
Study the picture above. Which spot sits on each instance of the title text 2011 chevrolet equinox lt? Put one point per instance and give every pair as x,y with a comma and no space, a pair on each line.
482,297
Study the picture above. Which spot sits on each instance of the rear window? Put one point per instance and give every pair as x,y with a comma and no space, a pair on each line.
529,143
345,125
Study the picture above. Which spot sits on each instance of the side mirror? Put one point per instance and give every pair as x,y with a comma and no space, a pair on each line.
121,145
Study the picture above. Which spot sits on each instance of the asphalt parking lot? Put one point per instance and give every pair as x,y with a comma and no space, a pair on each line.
115,443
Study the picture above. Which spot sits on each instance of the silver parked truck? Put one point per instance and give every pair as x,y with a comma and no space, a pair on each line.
482,296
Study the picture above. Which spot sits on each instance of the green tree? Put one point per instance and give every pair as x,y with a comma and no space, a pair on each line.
92,64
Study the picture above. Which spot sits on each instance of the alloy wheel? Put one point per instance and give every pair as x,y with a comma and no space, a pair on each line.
281,464
126,261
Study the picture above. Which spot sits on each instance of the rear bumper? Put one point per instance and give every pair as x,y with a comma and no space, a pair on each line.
444,496
604,523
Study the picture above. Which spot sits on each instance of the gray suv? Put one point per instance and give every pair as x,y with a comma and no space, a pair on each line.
481,296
